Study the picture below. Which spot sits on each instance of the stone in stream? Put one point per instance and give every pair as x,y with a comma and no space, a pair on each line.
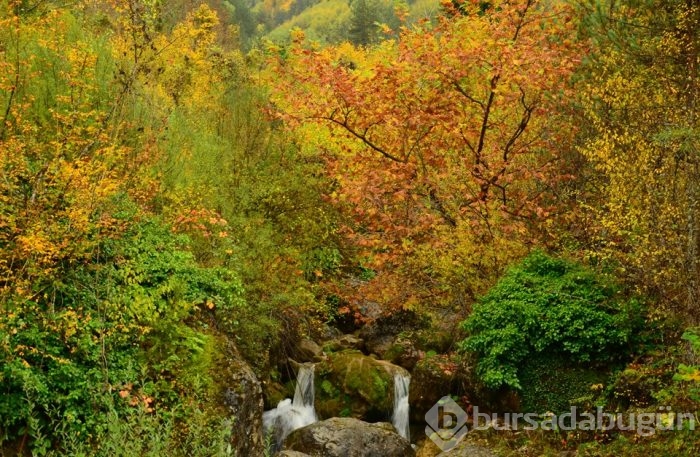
350,383
348,437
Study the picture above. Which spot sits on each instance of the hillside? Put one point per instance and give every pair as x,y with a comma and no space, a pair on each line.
223,222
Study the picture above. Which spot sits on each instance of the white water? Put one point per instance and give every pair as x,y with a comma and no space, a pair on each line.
292,414
400,415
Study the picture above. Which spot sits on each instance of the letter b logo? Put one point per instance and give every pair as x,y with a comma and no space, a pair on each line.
446,419
446,423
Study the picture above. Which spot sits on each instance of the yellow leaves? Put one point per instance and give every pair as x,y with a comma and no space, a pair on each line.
38,245
183,67
297,35
60,154
633,102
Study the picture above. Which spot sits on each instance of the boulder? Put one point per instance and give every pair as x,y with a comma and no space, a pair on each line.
308,351
403,353
291,454
426,448
348,437
379,335
344,342
242,396
430,381
349,383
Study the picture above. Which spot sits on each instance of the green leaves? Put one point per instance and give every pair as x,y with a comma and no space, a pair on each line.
550,307
124,319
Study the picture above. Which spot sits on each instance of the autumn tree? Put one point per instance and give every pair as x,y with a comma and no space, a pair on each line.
443,143
640,99
99,298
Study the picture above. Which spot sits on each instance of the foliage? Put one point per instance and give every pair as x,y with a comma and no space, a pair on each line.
362,22
367,20
551,384
550,308
689,374
325,22
639,101
112,337
248,199
163,195
442,144
137,433
108,308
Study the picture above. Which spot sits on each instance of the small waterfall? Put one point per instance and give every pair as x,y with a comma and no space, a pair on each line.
290,415
400,415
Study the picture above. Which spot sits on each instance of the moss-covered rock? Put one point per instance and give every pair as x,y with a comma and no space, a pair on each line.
403,353
433,377
274,392
350,383
238,389
344,342
381,333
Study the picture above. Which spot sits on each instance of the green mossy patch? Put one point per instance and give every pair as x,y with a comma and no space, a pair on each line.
350,383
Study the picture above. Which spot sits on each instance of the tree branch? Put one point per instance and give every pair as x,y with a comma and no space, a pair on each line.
363,137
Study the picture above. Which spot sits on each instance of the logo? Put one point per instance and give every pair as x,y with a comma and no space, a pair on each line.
447,423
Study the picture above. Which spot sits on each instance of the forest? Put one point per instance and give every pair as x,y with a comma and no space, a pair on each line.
500,198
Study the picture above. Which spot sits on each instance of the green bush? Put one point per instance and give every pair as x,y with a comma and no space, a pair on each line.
112,337
553,309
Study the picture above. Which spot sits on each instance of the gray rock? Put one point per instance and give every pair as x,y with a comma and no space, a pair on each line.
308,351
291,454
348,437
243,398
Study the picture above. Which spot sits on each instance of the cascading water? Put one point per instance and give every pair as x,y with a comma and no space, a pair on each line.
400,415
292,414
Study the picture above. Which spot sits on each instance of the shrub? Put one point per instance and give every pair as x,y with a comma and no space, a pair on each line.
549,308
112,336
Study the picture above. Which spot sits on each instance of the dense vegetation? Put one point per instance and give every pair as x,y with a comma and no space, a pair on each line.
180,178
552,307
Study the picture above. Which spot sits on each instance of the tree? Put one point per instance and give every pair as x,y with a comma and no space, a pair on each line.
370,19
443,144
640,100
362,23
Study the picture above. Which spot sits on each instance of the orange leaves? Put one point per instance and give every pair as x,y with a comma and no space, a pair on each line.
136,397
450,128
204,221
